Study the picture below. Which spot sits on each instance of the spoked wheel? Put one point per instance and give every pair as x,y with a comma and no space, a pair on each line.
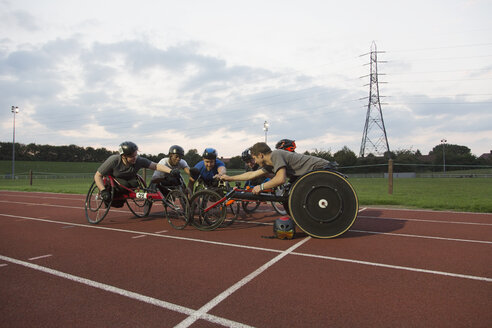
279,207
140,207
250,206
211,219
95,207
232,213
323,204
177,208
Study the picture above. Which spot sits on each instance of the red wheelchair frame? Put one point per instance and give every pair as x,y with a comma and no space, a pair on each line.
138,199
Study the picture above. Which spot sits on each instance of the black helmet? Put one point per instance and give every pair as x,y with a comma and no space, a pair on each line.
286,144
176,150
209,153
284,228
127,148
246,155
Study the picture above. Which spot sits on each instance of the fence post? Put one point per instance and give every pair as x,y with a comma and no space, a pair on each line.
390,176
30,177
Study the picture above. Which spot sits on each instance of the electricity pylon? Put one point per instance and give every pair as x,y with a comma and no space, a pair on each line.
374,138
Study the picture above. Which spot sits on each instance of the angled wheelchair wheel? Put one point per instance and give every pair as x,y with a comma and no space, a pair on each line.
140,207
95,207
280,207
250,206
211,219
177,208
323,204
232,213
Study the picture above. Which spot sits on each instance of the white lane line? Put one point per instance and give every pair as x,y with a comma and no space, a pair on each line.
424,210
139,236
254,248
423,220
3,264
123,292
40,257
398,267
163,231
222,296
425,237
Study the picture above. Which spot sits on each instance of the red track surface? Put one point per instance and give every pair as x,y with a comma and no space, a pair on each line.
393,268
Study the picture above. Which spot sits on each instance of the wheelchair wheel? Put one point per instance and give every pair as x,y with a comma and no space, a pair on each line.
177,208
139,207
95,207
251,206
323,204
232,214
212,219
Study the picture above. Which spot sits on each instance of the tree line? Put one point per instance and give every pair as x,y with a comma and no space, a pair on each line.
456,156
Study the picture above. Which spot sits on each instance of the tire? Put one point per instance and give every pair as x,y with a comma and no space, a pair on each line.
232,214
323,204
177,208
212,219
279,207
250,206
95,208
139,207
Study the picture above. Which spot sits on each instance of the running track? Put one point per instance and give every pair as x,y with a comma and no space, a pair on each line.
394,268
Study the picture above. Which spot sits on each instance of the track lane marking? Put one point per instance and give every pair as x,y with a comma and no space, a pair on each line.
40,257
398,267
421,236
123,292
229,291
422,220
269,250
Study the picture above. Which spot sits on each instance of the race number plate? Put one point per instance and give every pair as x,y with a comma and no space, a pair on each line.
141,195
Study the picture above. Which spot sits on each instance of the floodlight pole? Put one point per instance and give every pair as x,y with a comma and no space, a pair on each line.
15,110
443,141
265,128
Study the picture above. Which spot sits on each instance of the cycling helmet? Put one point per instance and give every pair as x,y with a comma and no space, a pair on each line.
286,144
246,155
176,150
284,228
209,153
127,148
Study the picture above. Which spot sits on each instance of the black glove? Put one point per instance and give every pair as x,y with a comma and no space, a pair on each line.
106,195
175,172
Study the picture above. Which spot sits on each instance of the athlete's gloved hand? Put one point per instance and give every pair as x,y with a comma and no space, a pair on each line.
106,195
175,172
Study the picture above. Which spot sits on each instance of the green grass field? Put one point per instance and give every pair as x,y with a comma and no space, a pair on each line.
458,194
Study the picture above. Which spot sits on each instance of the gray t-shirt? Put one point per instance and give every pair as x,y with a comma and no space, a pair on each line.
114,166
165,161
295,164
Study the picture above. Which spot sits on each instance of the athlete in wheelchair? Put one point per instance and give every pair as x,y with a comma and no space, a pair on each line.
320,200
116,182
173,180
204,177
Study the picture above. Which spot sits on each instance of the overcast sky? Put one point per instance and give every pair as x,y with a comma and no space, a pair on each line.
209,73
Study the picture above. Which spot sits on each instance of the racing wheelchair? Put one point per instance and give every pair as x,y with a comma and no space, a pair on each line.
322,203
205,193
139,200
